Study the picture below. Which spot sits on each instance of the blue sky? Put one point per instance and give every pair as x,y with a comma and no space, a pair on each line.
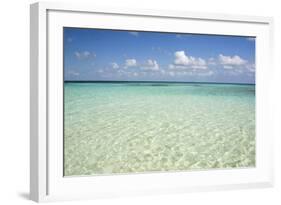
96,54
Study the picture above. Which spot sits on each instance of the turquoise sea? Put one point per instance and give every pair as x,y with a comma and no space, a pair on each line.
144,127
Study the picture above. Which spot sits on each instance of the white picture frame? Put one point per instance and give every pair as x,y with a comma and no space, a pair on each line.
46,178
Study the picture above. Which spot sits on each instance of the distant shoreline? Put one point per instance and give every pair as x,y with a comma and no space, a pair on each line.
172,82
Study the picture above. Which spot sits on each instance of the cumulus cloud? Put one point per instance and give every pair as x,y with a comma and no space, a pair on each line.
231,60
114,65
130,63
211,61
235,65
134,33
181,58
151,65
183,62
84,55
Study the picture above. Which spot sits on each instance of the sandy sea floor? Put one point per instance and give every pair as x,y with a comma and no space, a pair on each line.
143,127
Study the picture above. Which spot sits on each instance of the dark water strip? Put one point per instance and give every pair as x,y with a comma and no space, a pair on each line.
155,82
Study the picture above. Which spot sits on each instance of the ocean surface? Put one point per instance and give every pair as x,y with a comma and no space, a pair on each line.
144,127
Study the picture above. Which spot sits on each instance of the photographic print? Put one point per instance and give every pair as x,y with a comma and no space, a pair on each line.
142,101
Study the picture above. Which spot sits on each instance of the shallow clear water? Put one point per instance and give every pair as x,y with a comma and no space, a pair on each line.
144,127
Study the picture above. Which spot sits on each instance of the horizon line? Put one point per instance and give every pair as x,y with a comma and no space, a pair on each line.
139,81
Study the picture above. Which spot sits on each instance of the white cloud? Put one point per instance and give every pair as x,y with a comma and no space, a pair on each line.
171,73
235,65
189,65
227,66
151,65
130,63
231,60
114,65
84,55
181,58
134,33
163,72
211,61
208,73
183,61
251,68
